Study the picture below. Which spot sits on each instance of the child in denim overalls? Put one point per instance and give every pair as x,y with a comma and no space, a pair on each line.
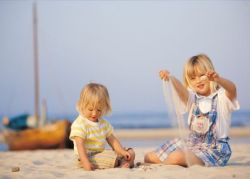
209,99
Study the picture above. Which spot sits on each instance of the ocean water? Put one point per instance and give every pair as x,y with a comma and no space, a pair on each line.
148,120
144,120
161,120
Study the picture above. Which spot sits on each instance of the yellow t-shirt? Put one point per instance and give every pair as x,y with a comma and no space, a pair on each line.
94,133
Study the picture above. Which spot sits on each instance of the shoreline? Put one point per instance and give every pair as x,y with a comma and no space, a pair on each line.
163,133
235,132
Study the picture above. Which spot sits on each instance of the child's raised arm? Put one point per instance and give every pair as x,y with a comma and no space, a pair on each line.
83,154
226,84
181,90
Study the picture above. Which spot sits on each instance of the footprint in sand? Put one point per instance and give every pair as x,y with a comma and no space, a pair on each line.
143,167
57,174
38,162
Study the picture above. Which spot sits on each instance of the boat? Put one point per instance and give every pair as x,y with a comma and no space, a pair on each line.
54,135
50,136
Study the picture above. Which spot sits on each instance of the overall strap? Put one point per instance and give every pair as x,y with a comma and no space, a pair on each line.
213,112
213,117
193,110
195,99
214,102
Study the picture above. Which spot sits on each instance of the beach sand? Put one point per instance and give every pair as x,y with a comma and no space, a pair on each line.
61,163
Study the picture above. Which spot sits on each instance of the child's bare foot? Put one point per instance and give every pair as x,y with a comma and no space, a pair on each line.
132,159
124,164
126,161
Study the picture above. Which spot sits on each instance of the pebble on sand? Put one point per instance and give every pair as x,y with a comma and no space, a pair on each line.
15,169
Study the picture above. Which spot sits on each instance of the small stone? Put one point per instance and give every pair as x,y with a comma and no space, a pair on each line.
138,164
15,169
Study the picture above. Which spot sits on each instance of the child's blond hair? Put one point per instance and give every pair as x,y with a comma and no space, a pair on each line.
94,94
202,63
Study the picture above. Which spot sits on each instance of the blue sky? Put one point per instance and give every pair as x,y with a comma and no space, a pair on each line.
121,44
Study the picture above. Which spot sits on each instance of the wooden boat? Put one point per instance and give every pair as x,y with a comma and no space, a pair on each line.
50,136
46,136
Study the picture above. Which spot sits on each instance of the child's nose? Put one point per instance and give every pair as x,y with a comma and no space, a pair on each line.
94,112
198,79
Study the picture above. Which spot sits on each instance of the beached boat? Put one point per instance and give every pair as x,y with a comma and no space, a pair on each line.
50,136
47,135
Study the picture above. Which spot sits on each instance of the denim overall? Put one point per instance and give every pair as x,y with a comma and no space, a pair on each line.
202,140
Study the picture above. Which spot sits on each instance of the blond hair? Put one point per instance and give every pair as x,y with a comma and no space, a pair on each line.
201,63
96,95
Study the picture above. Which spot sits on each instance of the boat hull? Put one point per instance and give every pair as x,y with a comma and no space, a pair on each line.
50,136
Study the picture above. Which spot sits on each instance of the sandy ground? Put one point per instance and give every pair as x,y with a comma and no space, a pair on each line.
61,163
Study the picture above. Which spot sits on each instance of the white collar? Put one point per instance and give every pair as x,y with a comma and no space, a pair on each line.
90,122
208,97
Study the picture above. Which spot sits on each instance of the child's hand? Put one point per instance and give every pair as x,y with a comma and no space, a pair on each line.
126,155
88,166
212,75
164,75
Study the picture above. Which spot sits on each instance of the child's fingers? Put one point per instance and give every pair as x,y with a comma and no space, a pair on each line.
161,74
127,156
212,75
209,73
164,75
93,167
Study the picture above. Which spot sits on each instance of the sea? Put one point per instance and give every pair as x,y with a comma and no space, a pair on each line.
146,120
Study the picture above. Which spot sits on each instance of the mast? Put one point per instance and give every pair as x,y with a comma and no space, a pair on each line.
36,63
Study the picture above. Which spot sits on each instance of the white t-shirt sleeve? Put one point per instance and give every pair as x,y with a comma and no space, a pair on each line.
77,129
224,108
226,103
109,129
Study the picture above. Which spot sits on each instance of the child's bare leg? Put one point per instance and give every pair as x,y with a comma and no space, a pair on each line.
180,157
193,159
128,163
151,157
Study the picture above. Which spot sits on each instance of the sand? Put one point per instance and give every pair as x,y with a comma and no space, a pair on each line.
61,164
